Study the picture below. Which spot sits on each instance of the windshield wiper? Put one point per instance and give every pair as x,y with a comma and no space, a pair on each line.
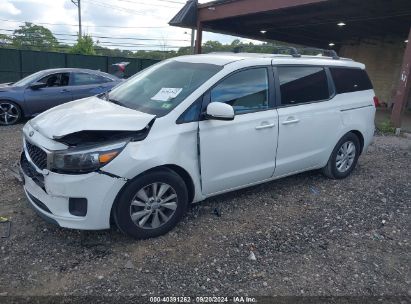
115,101
106,96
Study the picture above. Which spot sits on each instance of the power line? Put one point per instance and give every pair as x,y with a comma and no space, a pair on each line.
108,37
167,1
119,8
113,43
76,25
97,46
63,40
122,8
149,4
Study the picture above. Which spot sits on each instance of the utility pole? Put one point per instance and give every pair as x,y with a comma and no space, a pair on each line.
77,3
193,31
192,40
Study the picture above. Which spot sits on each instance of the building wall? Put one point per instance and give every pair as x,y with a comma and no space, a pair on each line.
383,60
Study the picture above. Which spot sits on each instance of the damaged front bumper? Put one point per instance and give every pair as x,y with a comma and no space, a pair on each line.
81,201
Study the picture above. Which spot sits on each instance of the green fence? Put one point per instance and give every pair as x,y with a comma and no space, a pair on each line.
16,64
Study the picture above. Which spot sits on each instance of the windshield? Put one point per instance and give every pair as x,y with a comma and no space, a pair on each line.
27,80
162,87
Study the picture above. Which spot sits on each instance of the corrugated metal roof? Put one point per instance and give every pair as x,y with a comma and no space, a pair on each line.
187,16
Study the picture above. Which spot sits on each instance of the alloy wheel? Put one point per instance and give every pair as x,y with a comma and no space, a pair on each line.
9,113
153,206
345,156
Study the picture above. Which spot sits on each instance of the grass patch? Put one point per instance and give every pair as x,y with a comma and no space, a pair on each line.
386,127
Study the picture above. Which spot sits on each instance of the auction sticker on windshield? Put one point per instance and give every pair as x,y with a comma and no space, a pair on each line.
167,94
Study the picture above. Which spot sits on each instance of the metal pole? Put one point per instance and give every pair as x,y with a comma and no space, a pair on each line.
192,40
79,19
403,90
77,3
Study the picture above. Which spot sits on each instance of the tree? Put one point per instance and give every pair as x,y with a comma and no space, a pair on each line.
5,41
84,46
35,37
213,46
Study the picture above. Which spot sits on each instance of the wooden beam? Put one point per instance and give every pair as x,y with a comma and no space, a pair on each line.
402,93
199,38
245,7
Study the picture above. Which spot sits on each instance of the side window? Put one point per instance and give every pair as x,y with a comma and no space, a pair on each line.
192,113
302,84
348,80
56,80
246,91
85,79
105,79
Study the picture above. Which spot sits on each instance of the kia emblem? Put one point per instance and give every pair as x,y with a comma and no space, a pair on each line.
31,133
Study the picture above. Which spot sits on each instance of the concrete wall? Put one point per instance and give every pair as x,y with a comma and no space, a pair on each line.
383,60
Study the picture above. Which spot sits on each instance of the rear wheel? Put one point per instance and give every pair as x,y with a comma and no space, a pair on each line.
10,113
343,158
152,204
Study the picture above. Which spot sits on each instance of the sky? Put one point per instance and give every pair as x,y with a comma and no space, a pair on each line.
114,19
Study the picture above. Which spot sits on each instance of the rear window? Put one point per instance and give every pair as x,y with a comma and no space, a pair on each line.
302,84
348,80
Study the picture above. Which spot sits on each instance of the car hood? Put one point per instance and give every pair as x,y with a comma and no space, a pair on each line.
6,87
89,114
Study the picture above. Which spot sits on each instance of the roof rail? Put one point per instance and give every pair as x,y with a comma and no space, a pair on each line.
330,53
291,50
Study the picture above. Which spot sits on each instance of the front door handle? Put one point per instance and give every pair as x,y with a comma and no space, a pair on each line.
64,91
290,120
265,126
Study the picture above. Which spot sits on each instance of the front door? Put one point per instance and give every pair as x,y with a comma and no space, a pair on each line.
55,93
242,151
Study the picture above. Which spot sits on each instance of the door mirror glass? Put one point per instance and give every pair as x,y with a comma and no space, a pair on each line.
37,85
220,111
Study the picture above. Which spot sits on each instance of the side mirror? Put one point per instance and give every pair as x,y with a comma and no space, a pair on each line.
220,111
37,85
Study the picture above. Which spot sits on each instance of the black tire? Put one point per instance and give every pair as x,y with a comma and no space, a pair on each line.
122,211
331,170
16,111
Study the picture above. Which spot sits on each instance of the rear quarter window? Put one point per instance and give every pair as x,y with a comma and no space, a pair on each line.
347,80
302,84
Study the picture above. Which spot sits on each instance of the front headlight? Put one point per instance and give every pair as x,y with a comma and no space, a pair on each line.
84,160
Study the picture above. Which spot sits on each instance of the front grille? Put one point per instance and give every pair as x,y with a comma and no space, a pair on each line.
31,172
37,155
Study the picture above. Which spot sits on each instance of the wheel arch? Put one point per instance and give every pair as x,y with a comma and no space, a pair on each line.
172,167
360,137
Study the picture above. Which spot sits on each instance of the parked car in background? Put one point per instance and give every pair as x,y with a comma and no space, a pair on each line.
45,89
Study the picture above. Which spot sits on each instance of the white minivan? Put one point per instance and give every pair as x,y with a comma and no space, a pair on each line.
190,128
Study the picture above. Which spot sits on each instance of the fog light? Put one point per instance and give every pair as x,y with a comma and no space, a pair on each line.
78,206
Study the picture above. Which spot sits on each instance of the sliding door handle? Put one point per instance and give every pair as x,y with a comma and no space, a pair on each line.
265,126
290,121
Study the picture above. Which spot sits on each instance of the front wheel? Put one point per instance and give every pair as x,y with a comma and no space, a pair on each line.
343,158
10,113
152,204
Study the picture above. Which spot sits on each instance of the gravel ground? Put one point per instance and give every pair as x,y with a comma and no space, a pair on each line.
308,235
